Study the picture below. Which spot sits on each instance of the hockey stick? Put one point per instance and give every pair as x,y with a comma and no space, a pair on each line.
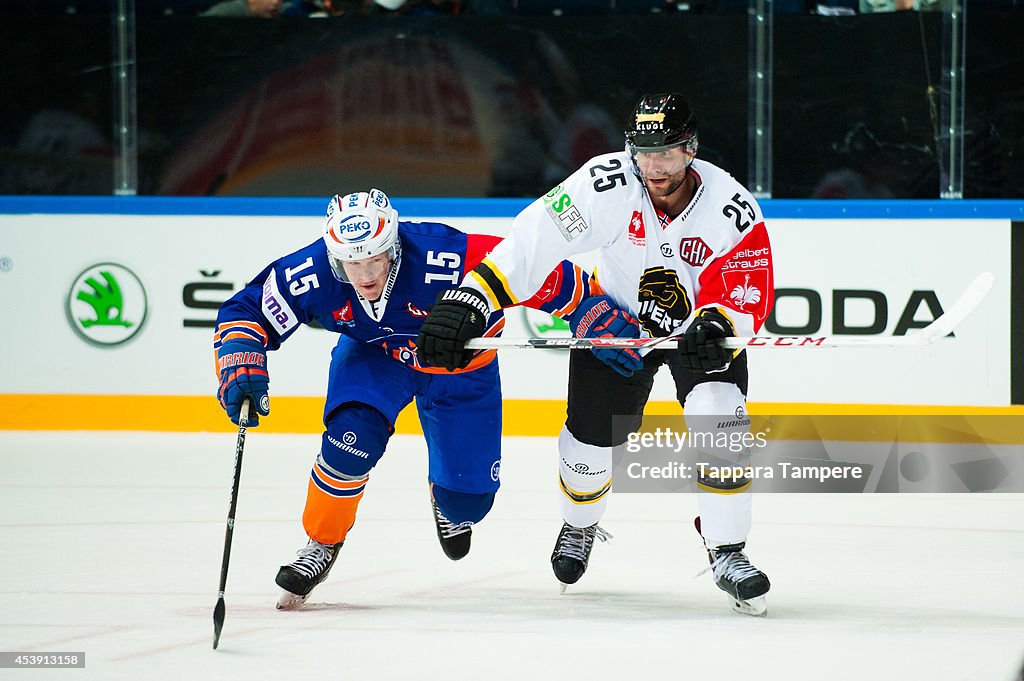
941,327
218,611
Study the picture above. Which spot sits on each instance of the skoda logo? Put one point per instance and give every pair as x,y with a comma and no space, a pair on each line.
543,325
106,305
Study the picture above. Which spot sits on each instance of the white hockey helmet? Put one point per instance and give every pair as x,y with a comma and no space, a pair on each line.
359,226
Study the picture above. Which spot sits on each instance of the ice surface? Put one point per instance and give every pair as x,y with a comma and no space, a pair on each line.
111,544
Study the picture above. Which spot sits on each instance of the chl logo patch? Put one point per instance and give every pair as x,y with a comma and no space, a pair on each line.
693,251
664,304
495,470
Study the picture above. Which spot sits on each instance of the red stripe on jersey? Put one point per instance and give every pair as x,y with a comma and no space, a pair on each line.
742,279
478,247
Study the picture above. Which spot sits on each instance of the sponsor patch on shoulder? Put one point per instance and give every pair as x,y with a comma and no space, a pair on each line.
564,213
276,308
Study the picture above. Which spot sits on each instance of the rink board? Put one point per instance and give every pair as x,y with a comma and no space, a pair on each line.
881,268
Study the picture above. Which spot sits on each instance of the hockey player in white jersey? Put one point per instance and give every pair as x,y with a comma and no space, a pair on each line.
682,249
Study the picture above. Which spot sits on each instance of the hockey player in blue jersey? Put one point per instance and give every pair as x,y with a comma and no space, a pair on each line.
373,279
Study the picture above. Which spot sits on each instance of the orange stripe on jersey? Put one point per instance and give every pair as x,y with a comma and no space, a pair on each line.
495,328
595,285
335,483
483,359
327,518
577,296
251,326
237,334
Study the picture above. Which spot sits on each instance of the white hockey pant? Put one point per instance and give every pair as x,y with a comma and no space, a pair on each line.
585,472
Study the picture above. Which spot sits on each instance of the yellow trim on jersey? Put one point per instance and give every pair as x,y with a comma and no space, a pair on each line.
583,498
502,279
491,298
705,488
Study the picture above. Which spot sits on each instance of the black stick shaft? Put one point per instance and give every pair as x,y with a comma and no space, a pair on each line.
219,610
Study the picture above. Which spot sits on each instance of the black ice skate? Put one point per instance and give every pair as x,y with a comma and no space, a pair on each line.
454,538
745,584
298,578
572,551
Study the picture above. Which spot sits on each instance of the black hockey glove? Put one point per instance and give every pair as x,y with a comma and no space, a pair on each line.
699,347
457,315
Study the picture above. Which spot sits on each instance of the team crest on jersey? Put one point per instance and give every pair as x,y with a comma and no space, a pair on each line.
693,251
636,229
664,304
746,288
406,354
415,311
344,315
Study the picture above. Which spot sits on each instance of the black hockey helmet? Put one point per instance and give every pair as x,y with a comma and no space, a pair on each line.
660,122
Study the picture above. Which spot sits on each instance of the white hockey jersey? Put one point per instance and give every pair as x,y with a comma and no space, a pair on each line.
715,253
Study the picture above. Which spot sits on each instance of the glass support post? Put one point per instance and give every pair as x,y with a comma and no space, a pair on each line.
951,122
126,128
759,98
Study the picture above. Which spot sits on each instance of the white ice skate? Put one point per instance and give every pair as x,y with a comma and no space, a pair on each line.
745,585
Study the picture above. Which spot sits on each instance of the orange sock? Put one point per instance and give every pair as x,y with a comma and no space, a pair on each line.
331,504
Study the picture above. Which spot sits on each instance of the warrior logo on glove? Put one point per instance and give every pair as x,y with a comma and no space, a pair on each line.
664,304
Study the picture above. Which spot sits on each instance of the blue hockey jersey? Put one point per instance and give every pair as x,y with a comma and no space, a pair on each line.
301,288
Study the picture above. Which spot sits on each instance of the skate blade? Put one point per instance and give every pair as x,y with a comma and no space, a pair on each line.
561,588
290,601
755,607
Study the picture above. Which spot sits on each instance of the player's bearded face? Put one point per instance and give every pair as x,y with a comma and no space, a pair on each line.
663,171
369,275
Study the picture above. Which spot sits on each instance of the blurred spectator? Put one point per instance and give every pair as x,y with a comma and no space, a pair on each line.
872,6
413,7
847,183
264,9
60,151
268,9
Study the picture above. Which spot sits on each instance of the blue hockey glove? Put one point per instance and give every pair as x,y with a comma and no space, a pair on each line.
599,317
242,366
699,347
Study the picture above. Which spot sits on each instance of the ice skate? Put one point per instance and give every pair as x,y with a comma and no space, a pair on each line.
744,583
298,578
454,538
572,551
